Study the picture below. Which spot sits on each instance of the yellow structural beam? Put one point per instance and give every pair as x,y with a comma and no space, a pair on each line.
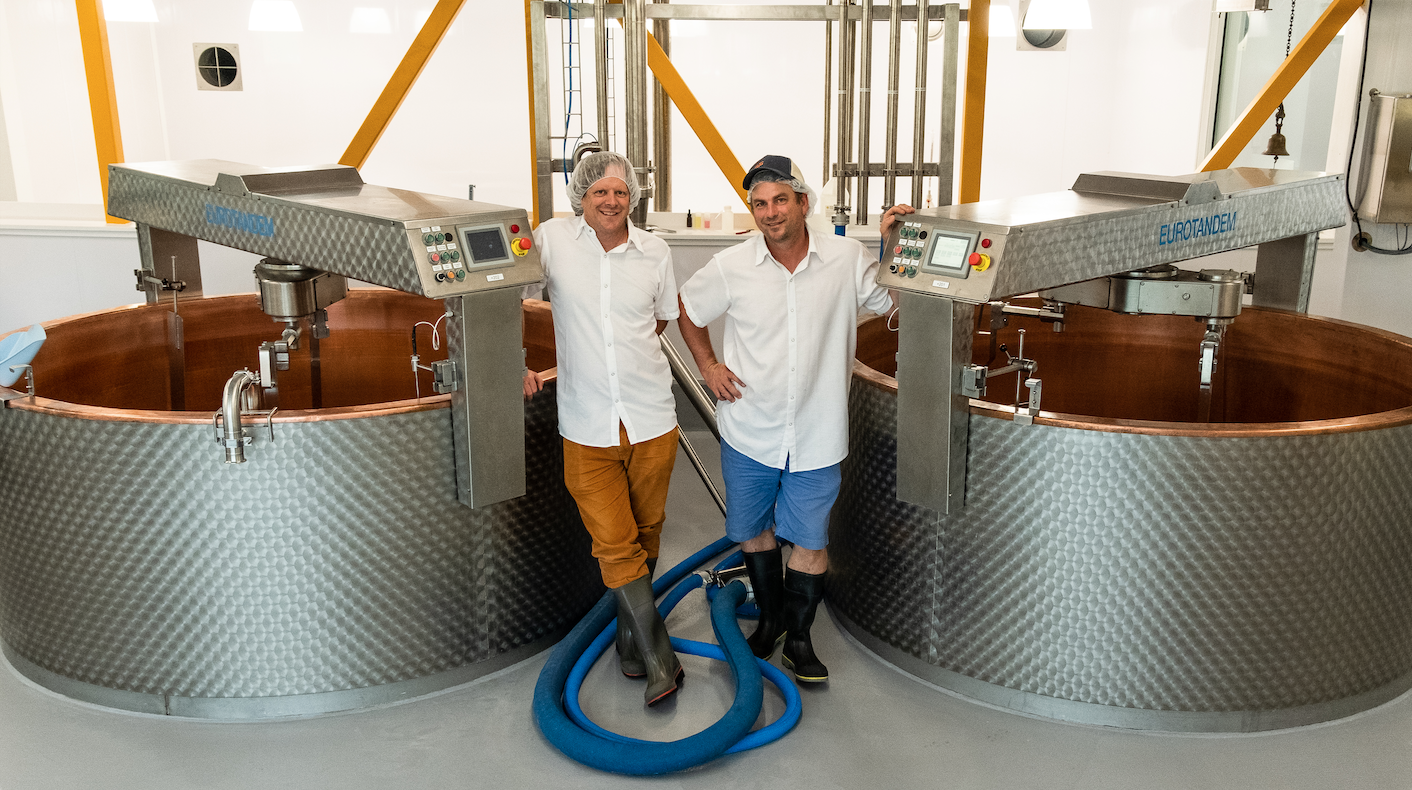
1300,59
695,116
973,117
102,99
401,83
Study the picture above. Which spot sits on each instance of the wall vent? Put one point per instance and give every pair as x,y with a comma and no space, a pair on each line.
217,67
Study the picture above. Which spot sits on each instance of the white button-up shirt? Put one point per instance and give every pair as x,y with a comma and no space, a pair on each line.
791,339
606,308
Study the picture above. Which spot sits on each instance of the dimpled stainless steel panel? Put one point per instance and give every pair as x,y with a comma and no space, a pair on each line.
336,558
1070,251
1160,573
364,248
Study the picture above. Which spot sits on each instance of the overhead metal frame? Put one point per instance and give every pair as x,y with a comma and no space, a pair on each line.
850,16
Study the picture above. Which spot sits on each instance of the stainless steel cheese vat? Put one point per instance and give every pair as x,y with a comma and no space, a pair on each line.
333,570
1117,563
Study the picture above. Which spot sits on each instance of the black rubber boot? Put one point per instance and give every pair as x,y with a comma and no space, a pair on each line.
629,657
802,594
765,568
650,634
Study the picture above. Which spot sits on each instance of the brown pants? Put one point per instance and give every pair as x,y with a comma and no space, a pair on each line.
622,495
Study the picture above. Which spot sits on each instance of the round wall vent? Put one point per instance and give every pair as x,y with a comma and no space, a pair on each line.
217,67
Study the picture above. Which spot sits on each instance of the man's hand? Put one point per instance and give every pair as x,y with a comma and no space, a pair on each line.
722,382
533,384
892,217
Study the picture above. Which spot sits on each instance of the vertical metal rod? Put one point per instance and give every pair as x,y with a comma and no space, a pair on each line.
919,108
946,153
316,370
894,47
865,112
637,115
662,124
828,93
600,69
845,113
543,169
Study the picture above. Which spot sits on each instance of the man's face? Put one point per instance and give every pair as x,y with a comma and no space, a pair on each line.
779,212
605,207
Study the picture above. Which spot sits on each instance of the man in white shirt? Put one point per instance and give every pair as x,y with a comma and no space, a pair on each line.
613,291
791,300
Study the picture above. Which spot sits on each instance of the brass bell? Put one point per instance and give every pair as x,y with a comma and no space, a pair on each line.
1276,146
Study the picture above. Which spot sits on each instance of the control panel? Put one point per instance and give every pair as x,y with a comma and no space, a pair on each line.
940,256
461,255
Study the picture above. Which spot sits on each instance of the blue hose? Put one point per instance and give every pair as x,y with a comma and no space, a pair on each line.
564,724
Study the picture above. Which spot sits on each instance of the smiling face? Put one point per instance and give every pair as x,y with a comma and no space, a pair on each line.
605,206
779,212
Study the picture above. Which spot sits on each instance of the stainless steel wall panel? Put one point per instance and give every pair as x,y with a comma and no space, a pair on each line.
337,558
1218,580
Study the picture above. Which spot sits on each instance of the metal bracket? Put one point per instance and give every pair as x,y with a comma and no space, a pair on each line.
444,376
7,394
144,279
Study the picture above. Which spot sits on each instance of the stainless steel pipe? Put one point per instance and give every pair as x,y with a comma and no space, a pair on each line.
845,113
919,108
946,144
600,69
662,124
828,94
865,112
894,47
637,114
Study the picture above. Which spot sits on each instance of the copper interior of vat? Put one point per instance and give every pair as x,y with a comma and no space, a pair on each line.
117,361
1106,368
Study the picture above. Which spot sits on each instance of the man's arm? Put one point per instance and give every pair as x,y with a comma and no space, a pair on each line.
661,325
719,378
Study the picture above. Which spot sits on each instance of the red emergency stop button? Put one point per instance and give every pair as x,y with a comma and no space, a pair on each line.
521,246
979,261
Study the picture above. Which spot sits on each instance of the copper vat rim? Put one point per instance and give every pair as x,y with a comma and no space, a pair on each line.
1364,422
59,408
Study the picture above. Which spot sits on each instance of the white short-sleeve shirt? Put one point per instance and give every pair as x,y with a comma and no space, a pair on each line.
606,308
791,339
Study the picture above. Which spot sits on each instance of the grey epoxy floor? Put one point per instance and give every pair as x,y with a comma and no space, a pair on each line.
872,726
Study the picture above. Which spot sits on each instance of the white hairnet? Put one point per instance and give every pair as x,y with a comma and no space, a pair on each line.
594,168
796,183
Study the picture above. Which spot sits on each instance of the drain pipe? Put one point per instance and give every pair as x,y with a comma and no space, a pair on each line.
235,438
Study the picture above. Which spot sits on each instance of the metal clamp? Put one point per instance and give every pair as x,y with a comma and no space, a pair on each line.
163,284
975,377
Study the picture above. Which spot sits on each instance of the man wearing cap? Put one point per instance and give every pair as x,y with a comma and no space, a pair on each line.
613,292
791,299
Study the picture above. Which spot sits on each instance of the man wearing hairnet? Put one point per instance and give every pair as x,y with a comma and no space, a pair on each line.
613,292
791,299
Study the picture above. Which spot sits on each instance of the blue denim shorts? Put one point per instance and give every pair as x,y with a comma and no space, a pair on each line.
796,504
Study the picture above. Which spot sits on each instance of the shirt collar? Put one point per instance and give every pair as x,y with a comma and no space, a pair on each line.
635,235
762,249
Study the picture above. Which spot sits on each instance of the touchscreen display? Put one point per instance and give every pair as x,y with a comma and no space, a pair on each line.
484,245
949,251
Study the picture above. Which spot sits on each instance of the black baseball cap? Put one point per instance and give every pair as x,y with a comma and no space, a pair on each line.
773,163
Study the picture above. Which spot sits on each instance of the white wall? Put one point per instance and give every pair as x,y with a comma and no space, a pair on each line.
1377,289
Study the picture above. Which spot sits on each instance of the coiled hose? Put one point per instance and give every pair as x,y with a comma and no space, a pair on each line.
564,724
